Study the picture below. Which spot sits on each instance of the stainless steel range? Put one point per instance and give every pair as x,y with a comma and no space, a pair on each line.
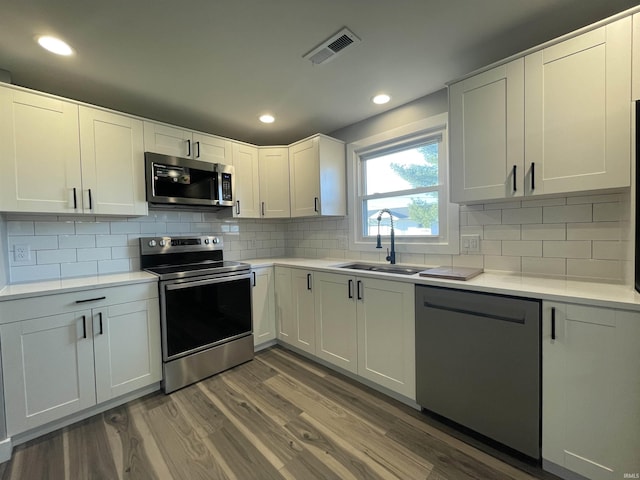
205,307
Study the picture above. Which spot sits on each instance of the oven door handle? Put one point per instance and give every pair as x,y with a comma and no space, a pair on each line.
209,281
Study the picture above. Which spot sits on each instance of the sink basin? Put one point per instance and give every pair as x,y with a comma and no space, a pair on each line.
375,267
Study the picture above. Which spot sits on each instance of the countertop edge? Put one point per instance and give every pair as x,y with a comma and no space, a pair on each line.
603,294
77,284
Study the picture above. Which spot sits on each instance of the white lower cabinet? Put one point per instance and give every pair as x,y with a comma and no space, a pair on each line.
591,390
263,308
56,365
295,308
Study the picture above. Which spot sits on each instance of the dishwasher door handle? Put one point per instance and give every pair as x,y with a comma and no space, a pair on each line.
477,314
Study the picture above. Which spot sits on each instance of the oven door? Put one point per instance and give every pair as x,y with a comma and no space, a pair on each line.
201,313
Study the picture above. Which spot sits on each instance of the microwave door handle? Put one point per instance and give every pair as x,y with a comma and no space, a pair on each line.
210,281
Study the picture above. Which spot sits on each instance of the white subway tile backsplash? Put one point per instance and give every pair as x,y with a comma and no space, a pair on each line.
78,269
544,266
567,214
491,247
35,273
125,227
111,240
92,228
502,205
152,229
594,231
56,256
178,227
607,250
544,231
606,212
608,198
566,249
124,252
502,232
522,248
602,269
438,260
113,266
55,228
519,216
544,202
88,254
76,241
473,261
502,263
20,227
43,242
490,217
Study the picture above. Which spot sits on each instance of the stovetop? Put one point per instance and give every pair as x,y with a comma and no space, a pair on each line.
180,257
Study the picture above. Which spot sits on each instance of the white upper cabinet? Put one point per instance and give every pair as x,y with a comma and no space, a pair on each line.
274,182
578,112
317,171
246,169
635,49
112,156
179,142
487,134
39,153
58,157
572,101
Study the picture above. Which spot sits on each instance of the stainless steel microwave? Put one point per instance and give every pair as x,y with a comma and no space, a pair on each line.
180,181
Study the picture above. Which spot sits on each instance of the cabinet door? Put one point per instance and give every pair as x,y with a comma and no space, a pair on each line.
39,153
212,149
487,134
168,140
274,182
303,309
263,303
386,334
578,111
591,390
127,348
284,305
336,332
635,50
48,369
112,154
246,168
304,180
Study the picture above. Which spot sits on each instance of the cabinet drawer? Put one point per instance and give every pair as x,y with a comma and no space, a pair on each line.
45,305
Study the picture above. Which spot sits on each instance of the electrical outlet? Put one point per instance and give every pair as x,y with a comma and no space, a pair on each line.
470,243
22,253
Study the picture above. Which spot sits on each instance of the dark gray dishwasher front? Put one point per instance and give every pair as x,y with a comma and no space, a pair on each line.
478,363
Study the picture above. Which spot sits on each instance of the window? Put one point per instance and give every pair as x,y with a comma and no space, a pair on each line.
404,173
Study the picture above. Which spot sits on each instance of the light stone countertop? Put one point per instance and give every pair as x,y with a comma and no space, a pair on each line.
51,287
612,295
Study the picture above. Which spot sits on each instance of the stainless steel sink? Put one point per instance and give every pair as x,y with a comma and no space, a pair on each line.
376,267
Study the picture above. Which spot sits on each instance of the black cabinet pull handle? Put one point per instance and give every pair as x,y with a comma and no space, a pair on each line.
100,319
515,187
553,323
90,201
315,204
350,288
263,209
254,278
75,199
84,326
237,207
198,149
188,148
308,281
533,175
90,300
360,297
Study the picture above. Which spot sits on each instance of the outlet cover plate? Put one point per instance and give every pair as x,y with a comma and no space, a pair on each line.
22,253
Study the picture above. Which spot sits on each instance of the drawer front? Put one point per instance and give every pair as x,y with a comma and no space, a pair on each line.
45,305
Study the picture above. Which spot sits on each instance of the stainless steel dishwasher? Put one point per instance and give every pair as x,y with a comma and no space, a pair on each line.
478,363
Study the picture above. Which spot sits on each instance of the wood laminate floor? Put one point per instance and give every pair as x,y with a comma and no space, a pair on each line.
279,416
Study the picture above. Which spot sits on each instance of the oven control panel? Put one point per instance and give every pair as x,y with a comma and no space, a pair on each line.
162,245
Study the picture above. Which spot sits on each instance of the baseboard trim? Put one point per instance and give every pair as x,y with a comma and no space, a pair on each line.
561,471
5,450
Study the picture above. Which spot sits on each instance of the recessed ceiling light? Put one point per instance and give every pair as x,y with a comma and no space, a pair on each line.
266,118
55,45
381,99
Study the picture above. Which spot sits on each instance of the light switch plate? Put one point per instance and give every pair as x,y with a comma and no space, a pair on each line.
470,243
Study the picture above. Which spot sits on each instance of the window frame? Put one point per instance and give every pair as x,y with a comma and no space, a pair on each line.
447,240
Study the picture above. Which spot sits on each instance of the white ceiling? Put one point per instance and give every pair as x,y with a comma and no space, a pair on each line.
216,65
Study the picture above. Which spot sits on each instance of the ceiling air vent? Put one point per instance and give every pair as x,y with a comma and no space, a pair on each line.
331,47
